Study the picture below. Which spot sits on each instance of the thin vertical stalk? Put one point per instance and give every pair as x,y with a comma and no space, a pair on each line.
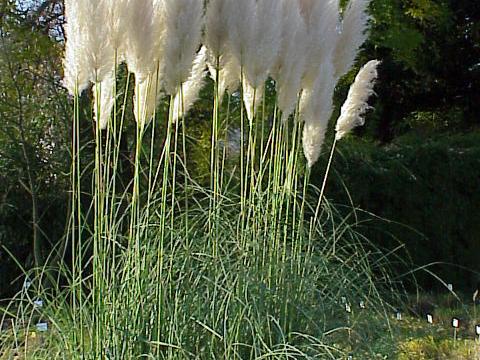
325,178
162,227
98,266
152,147
172,215
242,163
214,164
186,175
77,247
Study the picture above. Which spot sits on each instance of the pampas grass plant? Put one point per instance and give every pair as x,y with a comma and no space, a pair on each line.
248,267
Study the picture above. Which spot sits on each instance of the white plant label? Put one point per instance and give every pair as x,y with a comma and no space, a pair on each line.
399,316
27,283
429,318
477,330
362,305
42,327
38,303
450,287
348,309
455,323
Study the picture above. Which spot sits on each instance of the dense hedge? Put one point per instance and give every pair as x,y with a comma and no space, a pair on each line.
431,185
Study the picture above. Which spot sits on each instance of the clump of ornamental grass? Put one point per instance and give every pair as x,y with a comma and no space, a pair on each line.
248,266
237,304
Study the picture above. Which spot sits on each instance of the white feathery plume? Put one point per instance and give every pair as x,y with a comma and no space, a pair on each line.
149,91
89,55
146,97
116,22
190,89
183,30
103,94
316,107
241,20
313,138
254,40
142,53
353,35
216,27
96,42
115,12
322,21
242,25
229,76
218,55
291,59
76,60
306,7
262,53
356,104
159,33
252,97
140,37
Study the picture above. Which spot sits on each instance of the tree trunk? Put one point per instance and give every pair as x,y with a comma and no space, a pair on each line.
31,188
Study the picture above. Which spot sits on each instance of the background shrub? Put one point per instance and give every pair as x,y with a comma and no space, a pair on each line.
431,185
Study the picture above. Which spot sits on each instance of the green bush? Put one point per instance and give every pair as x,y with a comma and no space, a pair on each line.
430,186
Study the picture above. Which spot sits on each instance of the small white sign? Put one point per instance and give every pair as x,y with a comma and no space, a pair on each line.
430,318
450,287
362,304
348,309
42,327
38,303
477,330
455,323
398,316
26,284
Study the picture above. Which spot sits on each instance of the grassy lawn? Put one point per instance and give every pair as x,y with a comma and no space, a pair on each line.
408,338
416,339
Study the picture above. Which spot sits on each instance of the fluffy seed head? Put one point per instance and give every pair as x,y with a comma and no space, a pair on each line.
229,75
254,40
252,97
183,29
216,27
322,24
356,104
291,59
96,38
306,7
146,97
144,33
353,35
76,61
316,107
140,38
116,24
188,94
103,95
262,53
241,20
